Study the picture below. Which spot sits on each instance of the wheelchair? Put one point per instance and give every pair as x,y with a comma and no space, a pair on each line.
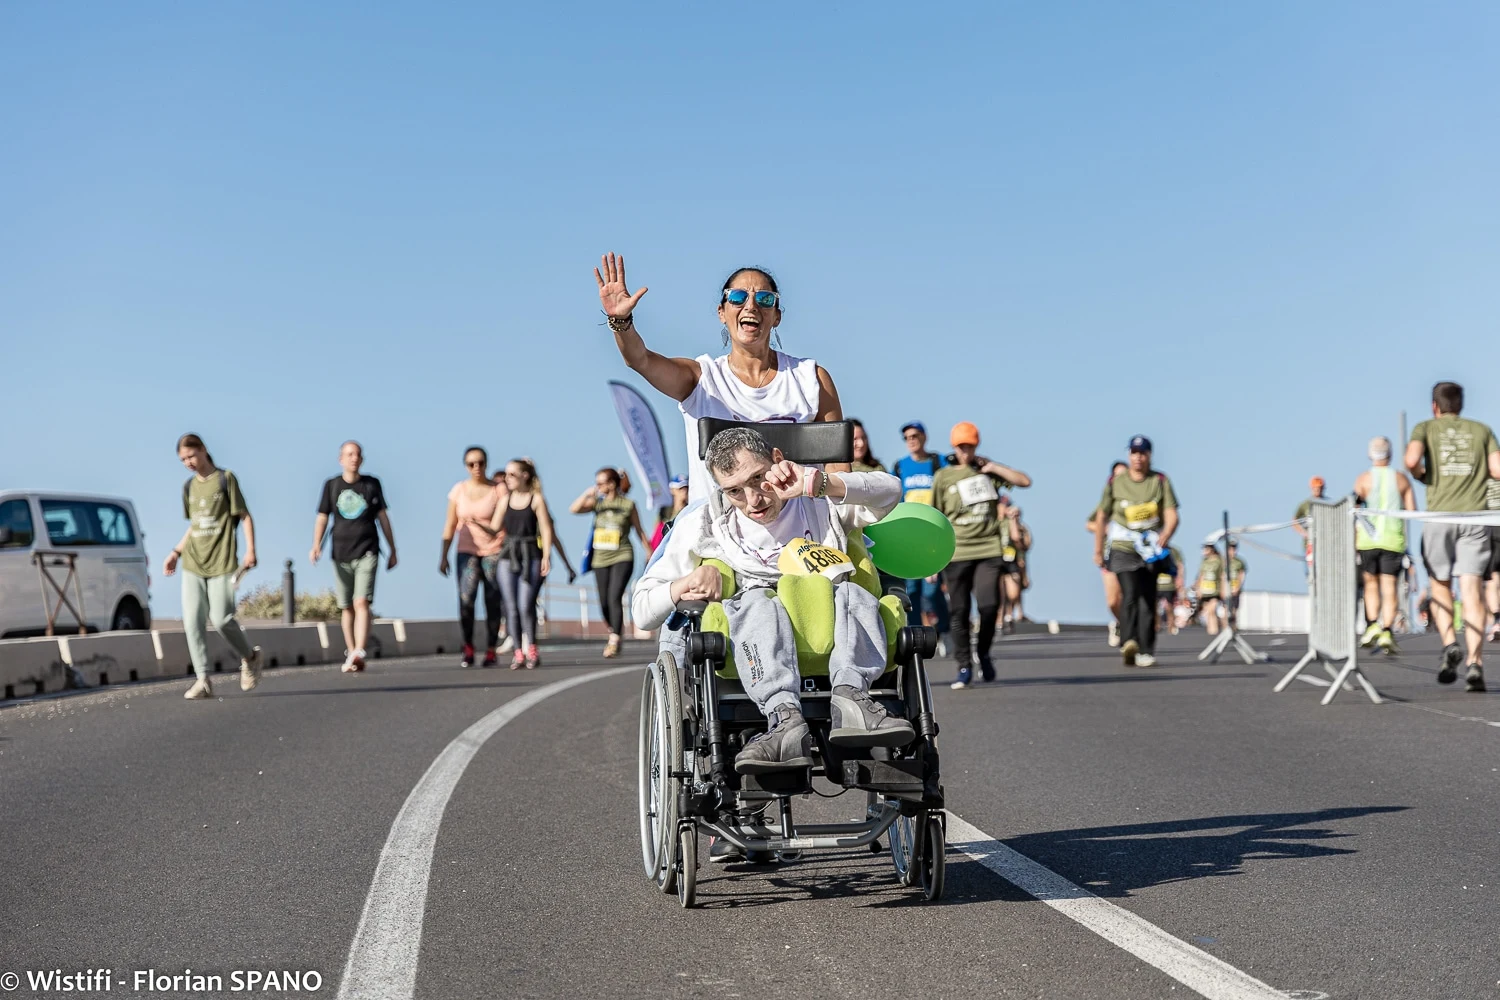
695,715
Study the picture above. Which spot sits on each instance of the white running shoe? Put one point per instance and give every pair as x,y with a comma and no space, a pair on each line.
507,645
1114,634
1145,660
348,666
201,689
250,670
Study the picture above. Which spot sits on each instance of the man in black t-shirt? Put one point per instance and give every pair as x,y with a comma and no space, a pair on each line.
356,504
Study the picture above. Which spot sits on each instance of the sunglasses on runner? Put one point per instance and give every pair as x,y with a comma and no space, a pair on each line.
738,297
474,465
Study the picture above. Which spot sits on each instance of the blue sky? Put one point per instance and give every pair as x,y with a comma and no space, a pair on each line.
1255,232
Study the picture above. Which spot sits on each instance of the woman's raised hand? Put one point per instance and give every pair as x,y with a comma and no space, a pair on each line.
614,297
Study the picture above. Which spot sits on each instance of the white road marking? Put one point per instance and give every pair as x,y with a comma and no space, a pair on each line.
382,961
1450,715
1192,967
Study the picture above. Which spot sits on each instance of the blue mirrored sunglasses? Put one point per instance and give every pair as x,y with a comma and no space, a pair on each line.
738,296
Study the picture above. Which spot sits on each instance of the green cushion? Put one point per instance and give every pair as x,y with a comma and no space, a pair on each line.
809,604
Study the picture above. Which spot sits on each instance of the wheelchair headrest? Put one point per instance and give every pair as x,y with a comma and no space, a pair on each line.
805,444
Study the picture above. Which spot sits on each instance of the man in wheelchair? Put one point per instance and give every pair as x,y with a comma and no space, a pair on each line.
770,518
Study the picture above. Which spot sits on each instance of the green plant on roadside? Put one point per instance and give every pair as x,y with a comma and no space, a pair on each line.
265,603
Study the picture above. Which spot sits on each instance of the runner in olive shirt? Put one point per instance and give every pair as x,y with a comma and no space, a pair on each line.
215,507
613,558
968,493
1456,458
1139,500
1210,571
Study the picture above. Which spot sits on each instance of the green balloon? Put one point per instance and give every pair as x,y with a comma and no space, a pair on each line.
912,541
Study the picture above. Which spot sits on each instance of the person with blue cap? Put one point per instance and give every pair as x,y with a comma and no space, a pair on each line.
916,472
1140,517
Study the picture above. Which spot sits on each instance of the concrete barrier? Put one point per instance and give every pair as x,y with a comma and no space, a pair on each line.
31,666
111,657
172,656
292,645
383,644
426,636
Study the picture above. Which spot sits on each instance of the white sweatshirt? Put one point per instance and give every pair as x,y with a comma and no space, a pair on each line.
706,533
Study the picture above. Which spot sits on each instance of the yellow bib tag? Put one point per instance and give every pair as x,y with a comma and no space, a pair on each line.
1141,515
1010,553
804,557
919,496
606,539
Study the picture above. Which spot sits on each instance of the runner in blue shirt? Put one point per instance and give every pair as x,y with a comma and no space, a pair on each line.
915,472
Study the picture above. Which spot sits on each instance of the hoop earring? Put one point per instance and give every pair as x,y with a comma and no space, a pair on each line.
724,334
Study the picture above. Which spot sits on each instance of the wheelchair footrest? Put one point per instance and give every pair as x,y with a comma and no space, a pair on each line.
892,777
771,784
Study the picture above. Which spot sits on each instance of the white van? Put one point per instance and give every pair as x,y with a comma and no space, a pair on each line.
103,535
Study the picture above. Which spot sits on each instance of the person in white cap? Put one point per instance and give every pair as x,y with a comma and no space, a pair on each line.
1381,542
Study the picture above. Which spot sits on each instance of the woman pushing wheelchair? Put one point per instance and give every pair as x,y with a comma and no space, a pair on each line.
768,520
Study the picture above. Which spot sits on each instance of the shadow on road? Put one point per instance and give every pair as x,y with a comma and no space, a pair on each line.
1114,860
858,877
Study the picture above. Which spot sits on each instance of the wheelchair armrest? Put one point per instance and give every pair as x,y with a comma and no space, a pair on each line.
687,613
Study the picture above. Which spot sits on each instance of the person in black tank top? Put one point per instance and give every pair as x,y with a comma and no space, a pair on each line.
525,557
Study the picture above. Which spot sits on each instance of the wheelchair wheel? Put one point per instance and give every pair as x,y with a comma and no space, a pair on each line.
903,840
660,753
933,862
687,879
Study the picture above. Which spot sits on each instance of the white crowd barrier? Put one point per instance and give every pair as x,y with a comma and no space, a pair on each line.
1270,611
1332,638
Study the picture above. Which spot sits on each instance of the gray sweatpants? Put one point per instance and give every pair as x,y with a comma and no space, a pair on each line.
766,653
204,600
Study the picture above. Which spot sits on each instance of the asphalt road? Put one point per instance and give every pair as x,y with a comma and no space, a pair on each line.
1346,851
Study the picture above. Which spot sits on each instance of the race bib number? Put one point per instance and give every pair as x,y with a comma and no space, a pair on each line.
805,557
1164,582
919,496
1010,553
1142,515
606,539
977,489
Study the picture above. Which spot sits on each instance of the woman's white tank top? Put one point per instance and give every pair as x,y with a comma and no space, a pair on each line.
791,397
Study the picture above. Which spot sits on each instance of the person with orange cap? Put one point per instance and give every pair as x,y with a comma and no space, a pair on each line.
1304,509
967,492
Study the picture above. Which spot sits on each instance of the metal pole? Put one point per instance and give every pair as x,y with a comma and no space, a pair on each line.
1399,448
288,594
1229,608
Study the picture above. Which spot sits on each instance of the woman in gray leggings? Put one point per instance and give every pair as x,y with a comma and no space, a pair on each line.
525,558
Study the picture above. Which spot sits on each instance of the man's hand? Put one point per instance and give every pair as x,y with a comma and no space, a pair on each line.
786,479
250,561
170,566
702,584
390,563
314,553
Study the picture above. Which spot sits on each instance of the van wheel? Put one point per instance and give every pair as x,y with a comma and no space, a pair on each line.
128,617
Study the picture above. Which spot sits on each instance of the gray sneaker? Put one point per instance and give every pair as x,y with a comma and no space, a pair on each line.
250,670
1475,679
859,722
1453,655
786,745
